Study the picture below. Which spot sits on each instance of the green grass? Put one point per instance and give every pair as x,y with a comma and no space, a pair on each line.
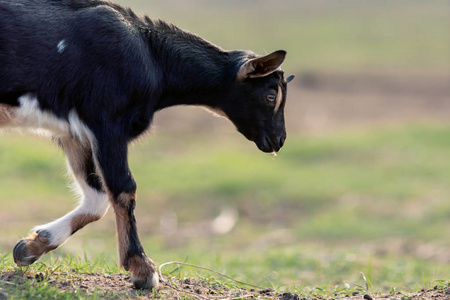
40,280
49,279
326,209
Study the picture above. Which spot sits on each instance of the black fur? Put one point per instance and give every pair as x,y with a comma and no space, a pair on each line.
115,70
92,178
10,98
134,247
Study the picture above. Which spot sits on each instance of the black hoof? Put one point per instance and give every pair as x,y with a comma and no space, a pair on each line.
148,283
21,254
28,250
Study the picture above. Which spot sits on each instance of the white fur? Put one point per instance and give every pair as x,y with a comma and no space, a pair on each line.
61,46
92,203
151,282
29,116
80,131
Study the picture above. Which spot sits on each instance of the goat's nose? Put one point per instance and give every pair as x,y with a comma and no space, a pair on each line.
282,140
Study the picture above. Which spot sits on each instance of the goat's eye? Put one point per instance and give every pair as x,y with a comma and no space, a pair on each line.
271,97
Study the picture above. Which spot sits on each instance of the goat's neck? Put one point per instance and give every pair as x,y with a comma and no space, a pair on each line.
195,72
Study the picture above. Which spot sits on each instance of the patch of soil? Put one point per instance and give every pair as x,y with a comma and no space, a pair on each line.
119,286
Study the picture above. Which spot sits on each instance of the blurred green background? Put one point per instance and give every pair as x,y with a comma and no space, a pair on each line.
362,184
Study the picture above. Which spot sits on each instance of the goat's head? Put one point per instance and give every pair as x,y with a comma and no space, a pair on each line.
256,102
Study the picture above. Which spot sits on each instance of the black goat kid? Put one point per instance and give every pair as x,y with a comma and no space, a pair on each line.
92,74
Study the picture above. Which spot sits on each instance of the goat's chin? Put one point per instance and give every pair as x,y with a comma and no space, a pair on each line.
263,143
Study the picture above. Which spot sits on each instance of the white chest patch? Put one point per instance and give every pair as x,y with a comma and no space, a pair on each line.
61,46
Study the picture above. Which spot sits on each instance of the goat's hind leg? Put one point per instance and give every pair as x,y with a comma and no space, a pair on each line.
93,205
6,114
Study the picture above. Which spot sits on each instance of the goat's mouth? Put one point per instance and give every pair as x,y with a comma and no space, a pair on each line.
266,143
269,145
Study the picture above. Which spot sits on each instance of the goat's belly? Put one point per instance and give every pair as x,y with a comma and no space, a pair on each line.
29,116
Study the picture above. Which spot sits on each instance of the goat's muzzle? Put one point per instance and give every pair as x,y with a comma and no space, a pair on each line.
270,144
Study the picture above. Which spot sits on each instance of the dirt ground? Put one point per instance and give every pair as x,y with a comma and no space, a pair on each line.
118,285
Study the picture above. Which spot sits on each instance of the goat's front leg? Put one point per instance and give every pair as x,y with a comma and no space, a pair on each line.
112,161
93,205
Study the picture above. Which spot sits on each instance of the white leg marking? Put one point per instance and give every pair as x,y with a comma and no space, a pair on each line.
93,203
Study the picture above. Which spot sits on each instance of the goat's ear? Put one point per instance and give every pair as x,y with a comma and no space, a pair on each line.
261,66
